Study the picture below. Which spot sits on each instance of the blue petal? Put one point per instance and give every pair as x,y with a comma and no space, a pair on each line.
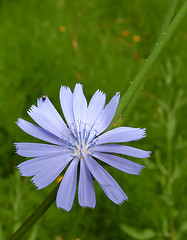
121,149
122,134
38,132
36,165
38,149
51,170
48,118
106,116
95,107
32,167
119,163
86,191
66,101
67,189
106,181
79,106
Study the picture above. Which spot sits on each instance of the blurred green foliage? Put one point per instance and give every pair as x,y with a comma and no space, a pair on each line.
95,47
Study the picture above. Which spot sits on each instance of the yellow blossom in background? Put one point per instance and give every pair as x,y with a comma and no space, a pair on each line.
62,29
136,38
58,179
125,33
119,122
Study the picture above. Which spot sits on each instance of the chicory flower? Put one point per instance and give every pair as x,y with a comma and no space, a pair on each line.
76,145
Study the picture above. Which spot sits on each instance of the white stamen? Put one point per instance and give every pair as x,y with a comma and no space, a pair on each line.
82,145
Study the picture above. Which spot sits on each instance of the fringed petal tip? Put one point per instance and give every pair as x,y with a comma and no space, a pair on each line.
18,121
101,92
78,84
37,187
42,99
58,204
148,154
144,132
16,147
18,168
140,169
87,206
63,88
20,171
118,94
125,199
66,210
31,109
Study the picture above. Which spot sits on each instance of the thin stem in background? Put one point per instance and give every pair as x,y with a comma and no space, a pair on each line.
168,18
129,99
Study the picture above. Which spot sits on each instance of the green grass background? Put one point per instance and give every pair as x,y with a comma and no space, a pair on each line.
36,58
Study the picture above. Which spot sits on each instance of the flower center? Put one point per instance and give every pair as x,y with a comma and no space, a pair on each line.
84,140
80,150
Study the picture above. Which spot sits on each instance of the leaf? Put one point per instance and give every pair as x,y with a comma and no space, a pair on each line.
138,234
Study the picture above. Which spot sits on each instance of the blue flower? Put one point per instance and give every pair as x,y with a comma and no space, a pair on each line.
80,142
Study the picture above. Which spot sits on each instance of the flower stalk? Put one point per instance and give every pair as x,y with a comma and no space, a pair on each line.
36,215
168,18
130,97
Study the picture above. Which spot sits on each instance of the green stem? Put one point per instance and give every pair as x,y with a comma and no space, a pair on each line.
35,216
168,18
129,98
